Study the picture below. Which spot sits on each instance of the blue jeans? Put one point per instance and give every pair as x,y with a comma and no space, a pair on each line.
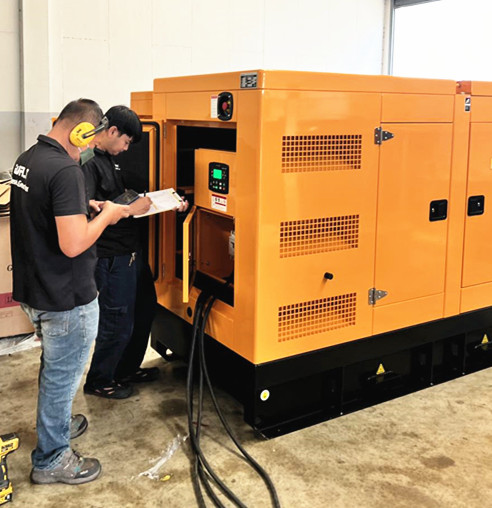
66,339
116,279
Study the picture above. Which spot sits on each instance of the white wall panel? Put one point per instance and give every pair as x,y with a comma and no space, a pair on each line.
9,16
172,22
92,79
170,61
84,20
130,60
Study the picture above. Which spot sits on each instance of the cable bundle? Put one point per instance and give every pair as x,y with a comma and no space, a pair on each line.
203,473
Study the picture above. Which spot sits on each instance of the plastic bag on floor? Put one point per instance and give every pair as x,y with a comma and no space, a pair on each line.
153,472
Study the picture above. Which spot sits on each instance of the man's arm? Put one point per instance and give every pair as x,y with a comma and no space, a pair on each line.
76,235
140,206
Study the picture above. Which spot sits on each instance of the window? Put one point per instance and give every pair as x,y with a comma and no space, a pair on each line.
447,39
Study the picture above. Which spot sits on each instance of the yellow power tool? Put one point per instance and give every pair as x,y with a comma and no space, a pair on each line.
8,443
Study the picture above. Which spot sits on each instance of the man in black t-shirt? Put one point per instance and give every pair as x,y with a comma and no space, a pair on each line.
127,298
53,279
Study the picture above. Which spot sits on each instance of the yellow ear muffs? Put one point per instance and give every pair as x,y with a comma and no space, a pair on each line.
82,134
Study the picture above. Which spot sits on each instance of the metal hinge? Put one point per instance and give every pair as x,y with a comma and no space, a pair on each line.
375,295
164,131
380,135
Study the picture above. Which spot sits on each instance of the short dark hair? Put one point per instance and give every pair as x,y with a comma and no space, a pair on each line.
126,121
81,110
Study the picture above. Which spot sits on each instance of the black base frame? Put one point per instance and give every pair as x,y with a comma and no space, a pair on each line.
291,393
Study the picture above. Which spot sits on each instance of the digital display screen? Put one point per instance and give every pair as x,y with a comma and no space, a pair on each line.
217,174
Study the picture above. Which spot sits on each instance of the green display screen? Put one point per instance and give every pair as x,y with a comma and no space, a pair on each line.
217,174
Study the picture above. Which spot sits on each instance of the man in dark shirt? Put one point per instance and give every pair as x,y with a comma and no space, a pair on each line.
121,271
53,278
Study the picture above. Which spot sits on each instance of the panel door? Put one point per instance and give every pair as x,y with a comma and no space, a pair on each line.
477,265
411,245
317,206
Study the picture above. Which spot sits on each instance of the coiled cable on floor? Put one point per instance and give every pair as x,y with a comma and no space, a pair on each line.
202,470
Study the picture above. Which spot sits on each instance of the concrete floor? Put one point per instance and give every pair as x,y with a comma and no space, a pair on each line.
432,448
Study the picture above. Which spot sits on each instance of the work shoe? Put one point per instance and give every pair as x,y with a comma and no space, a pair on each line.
72,469
141,376
112,391
78,425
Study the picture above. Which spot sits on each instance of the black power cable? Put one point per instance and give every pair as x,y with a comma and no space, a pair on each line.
202,469
201,461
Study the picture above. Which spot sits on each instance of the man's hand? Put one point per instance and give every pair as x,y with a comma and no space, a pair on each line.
140,206
183,206
95,207
114,212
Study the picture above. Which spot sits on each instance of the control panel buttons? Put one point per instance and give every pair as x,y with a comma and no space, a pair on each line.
218,177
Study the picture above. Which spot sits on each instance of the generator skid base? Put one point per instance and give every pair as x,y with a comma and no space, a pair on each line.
292,393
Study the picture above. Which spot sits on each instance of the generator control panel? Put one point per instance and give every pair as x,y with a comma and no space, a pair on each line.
215,180
218,177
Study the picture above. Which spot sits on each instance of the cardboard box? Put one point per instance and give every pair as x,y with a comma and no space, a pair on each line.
13,321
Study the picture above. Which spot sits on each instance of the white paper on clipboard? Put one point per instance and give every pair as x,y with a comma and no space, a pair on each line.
162,201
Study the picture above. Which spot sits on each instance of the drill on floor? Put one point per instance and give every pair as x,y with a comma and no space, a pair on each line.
8,443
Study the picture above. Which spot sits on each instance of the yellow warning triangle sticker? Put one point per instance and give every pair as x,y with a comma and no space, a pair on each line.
485,339
380,370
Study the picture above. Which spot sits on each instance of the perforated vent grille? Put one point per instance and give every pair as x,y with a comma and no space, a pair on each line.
321,153
317,316
310,236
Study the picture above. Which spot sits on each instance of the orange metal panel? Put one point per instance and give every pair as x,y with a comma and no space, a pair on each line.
194,106
141,103
481,109
317,201
226,81
248,177
457,207
412,312
417,108
477,265
306,81
476,297
411,250
481,88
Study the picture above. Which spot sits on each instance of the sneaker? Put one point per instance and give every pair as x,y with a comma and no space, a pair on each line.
72,469
113,391
78,425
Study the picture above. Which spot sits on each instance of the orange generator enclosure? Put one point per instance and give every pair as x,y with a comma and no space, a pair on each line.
330,216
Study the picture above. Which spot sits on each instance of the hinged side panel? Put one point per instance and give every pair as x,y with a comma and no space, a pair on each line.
411,249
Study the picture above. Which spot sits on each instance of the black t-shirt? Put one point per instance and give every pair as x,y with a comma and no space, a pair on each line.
105,182
48,183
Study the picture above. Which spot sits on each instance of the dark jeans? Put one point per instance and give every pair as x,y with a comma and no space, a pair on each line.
127,303
145,309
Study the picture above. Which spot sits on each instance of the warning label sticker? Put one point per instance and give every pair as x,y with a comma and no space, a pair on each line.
219,203
380,370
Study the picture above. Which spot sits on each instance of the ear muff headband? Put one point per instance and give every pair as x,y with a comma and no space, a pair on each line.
83,133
